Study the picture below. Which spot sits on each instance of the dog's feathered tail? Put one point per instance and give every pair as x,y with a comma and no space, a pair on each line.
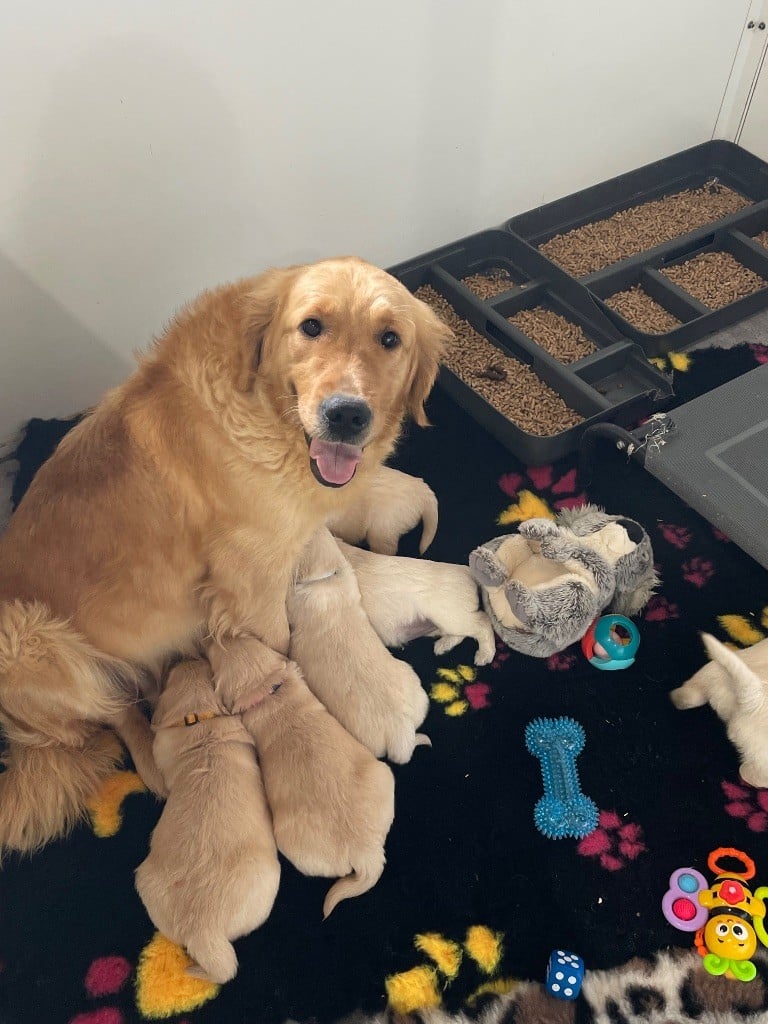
55,690
44,790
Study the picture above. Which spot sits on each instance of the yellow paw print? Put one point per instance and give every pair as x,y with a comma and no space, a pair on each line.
422,986
527,506
105,807
744,630
458,689
672,360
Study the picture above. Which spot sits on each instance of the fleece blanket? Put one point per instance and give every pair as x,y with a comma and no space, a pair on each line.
473,898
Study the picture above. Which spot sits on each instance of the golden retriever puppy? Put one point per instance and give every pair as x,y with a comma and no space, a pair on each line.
376,697
332,802
735,684
178,509
212,872
393,504
405,598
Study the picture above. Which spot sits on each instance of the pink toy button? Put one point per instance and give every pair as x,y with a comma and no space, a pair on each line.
680,904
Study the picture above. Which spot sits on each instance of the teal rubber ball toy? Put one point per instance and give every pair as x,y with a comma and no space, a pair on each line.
611,643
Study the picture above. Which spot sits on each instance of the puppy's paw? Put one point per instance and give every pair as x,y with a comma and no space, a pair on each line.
485,654
447,643
754,774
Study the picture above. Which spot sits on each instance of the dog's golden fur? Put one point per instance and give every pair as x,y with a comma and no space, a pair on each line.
393,504
378,698
212,872
332,802
178,509
409,597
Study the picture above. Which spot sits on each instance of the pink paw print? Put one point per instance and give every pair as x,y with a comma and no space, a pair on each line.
502,654
614,843
678,536
562,490
751,805
760,352
105,977
719,535
561,662
698,571
659,609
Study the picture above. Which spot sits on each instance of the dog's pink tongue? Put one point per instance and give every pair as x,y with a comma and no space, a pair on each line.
336,462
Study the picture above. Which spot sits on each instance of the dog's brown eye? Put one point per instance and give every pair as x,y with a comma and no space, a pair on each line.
312,328
389,339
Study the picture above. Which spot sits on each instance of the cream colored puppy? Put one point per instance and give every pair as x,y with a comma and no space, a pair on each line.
212,872
409,597
332,802
391,505
735,683
376,697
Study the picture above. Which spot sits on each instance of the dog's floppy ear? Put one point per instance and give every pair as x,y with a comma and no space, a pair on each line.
432,335
260,304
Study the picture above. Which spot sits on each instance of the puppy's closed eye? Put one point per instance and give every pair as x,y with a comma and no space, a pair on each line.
276,687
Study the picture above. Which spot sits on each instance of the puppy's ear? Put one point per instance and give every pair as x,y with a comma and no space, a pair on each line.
254,695
432,335
260,305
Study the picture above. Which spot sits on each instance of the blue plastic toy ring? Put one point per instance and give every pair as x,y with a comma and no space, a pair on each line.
611,642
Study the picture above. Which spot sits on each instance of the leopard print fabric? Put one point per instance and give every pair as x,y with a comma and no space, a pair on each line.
671,988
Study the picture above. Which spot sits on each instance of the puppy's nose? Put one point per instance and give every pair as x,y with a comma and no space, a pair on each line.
346,418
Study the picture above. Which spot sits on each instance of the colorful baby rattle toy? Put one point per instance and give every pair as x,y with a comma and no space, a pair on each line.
611,642
727,918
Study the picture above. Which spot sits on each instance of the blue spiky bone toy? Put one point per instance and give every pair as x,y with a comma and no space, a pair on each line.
563,810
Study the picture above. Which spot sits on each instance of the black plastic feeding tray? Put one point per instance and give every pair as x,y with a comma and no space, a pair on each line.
616,383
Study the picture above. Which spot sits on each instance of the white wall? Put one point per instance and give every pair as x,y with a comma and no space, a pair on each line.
153,147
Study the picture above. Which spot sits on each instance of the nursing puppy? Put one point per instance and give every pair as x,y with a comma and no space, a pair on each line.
375,696
393,504
212,872
735,683
405,598
178,509
332,802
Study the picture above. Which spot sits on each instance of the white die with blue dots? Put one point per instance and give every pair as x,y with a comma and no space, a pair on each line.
565,973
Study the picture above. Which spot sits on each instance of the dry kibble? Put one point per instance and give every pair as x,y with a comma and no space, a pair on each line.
562,339
715,278
643,312
762,238
600,243
520,395
489,283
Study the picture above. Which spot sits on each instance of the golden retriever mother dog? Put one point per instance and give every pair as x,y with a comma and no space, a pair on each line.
174,514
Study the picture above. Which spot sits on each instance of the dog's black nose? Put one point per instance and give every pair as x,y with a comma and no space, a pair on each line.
346,418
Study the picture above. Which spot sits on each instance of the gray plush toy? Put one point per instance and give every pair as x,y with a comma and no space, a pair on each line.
544,585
